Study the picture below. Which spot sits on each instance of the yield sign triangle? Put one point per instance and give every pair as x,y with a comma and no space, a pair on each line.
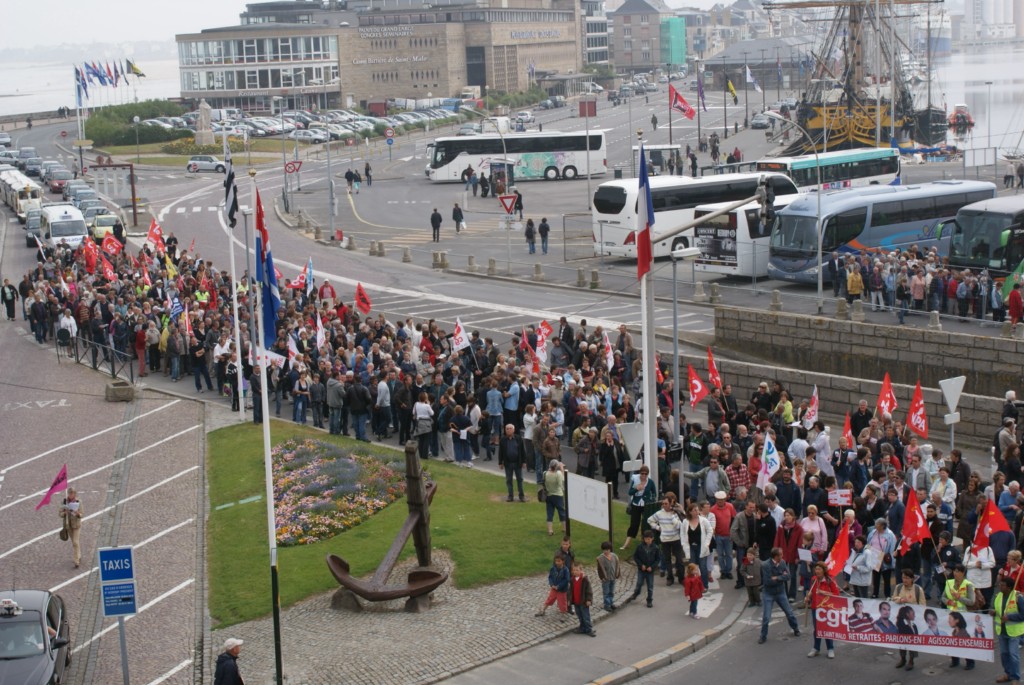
508,202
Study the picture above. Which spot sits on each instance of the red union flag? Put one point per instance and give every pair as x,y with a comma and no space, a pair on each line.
108,270
991,521
917,417
886,397
459,338
811,415
156,235
698,390
111,245
915,527
713,377
840,552
848,432
363,302
677,102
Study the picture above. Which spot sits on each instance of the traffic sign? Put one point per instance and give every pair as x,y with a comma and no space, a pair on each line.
389,132
951,389
116,564
508,202
85,144
119,599
63,134
391,141
292,167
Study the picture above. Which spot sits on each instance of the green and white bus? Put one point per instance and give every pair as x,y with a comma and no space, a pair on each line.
550,155
840,169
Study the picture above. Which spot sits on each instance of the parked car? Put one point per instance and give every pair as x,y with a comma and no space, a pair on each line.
198,163
32,220
469,130
157,123
42,652
311,136
760,121
5,138
526,116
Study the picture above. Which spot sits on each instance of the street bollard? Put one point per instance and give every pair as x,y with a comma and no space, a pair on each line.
471,266
698,292
538,273
407,255
716,294
857,312
351,242
444,260
581,278
373,248
1007,331
934,322
776,303
492,266
595,279
381,252
842,309
435,260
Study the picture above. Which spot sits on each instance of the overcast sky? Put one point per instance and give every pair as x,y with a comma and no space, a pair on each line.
54,22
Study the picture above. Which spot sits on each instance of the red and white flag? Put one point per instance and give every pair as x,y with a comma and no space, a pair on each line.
698,390
192,247
156,236
915,527
59,483
991,521
609,353
460,340
848,432
111,245
293,349
840,552
644,221
145,277
108,270
321,334
917,417
363,302
188,322
886,397
811,415
714,379
677,102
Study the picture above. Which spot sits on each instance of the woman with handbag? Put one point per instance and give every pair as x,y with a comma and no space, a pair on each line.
641,493
71,513
554,493
422,422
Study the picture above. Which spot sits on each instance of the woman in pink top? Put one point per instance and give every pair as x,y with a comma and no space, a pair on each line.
815,526
917,289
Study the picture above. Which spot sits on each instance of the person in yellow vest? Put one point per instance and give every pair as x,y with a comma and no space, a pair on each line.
959,595
1009,627
203,298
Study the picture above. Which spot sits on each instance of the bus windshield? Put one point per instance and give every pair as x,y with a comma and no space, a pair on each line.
795,235
979,239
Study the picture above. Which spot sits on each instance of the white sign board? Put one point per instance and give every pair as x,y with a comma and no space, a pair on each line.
588,500
951,391
632,437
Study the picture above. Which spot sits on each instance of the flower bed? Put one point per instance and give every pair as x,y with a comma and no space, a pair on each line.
321,490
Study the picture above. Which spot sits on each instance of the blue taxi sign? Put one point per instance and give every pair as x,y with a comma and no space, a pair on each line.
117,564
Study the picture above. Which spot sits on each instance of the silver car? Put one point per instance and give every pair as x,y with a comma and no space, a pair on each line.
198,163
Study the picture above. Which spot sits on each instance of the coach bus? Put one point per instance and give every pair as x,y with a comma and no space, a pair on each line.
20,193
988,235
674,199
840,169
734,244
547,155
880,218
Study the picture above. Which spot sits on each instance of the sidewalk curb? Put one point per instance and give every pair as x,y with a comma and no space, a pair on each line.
676,652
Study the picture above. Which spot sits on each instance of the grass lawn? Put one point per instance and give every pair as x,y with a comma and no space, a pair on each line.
489,539
255,144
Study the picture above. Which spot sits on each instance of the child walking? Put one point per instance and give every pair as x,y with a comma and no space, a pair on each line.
693,586
608,572
582,596
558,586
751,574
647,557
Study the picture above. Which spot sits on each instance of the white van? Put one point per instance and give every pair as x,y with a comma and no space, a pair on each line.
63,224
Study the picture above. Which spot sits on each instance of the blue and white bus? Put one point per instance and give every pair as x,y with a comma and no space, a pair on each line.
549,155
840,169
880,218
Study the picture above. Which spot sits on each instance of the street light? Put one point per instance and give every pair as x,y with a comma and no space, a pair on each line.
989,84
135,121
681,255
284,154
817,197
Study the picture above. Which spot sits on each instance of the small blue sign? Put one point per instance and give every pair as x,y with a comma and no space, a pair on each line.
119,599
116,564
391,141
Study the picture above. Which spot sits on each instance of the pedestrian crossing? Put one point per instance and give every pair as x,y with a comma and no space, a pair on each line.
196,209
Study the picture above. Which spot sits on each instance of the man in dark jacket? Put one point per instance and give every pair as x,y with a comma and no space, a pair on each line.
335,402
359,402
227,664
511,455
435,225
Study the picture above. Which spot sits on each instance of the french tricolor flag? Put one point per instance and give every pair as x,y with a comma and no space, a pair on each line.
644,220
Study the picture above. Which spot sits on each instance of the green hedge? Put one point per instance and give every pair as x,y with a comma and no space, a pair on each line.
188,147
113,125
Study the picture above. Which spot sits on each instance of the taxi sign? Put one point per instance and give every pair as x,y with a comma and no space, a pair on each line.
116,564
119,599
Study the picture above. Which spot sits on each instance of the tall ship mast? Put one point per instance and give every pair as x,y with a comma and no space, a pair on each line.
860,92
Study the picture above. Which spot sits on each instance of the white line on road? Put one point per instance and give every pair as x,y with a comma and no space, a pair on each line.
144,607
145,542
87,437
196,210
180,210
53,532
104,467
165,676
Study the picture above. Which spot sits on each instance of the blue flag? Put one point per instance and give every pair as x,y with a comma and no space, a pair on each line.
266,275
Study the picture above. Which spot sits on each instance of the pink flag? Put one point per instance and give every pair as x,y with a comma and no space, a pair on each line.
59,483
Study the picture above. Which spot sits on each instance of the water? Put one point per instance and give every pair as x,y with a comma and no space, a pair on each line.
33,87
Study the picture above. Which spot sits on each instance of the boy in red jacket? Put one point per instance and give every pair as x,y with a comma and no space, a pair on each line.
580,596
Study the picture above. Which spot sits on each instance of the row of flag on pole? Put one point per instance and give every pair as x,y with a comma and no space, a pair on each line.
103,74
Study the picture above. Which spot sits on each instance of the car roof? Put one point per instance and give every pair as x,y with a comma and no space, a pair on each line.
27,599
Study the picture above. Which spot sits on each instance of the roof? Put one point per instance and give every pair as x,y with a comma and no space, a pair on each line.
1008,204
643,7
788,50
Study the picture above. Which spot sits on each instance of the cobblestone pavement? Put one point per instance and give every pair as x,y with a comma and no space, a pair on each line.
463,629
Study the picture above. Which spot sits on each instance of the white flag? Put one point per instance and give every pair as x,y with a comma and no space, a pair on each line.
769,462
459,338
609,353
751,79
293,349
811,415
542,345
321,335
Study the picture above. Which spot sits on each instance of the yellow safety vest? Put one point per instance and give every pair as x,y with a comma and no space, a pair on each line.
1013,628
951,592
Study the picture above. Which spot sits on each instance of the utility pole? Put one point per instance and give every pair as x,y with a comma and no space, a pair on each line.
746,90
764,104
725,100
778,75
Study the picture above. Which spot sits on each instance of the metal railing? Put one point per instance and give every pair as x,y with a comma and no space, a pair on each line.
103,358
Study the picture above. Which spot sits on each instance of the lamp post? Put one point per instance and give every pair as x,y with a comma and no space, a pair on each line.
817,197
989,84
135,123
284,155
680,255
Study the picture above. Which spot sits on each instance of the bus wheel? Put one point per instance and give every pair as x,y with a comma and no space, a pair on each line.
551,174
569,173
679,243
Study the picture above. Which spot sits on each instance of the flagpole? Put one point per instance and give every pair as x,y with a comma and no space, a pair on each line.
650,399
268,474
670,121
234,307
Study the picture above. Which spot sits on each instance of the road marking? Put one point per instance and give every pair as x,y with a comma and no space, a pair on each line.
53,532
165,676
196,209
87,437
145,542
213,209
102,468
144,607
180,210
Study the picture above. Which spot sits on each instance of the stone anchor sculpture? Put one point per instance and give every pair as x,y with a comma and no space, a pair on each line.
421,581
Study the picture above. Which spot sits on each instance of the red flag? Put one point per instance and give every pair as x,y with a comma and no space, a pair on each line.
848,432
677,102
840,552
92,254
108,270
658,375
300,282
111,245
713,377
915,527
363,302
917,417
524,342
156,235
698,390
886,397
644,221
536,366
59,483
145,277
991,521
188,322
192,246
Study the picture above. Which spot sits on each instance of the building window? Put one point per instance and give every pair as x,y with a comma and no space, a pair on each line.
643,19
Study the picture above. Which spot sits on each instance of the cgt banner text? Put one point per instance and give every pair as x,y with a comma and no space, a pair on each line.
906,626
